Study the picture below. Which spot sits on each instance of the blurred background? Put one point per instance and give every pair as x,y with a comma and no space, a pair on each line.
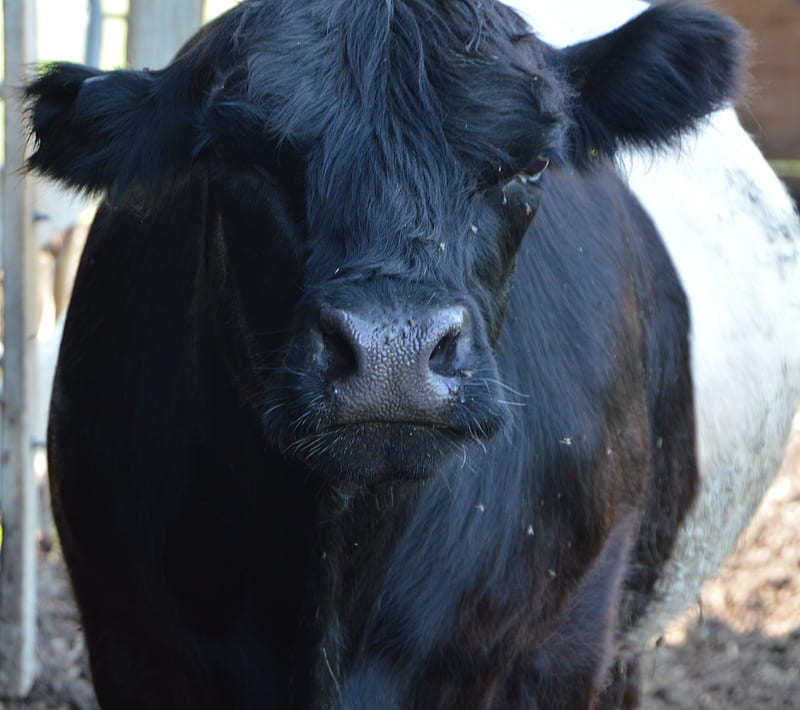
744,652
771,107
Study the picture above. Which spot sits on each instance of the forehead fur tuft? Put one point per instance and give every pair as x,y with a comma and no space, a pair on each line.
402,107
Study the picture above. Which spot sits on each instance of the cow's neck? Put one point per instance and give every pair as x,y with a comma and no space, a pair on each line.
357,529
395,565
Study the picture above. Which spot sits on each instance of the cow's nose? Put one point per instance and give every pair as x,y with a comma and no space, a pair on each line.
387,368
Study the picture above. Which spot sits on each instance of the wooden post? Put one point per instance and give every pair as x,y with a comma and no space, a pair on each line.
157,29
17,483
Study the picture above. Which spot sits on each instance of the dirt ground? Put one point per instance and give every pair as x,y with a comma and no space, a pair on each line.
739,650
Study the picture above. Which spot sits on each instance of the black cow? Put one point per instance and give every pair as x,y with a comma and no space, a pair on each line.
311,445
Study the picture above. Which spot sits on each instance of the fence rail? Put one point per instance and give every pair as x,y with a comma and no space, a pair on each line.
786,168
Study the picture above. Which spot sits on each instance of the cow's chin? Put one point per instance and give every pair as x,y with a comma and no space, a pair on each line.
378,451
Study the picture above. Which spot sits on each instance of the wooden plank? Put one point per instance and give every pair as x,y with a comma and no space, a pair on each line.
755,15
17,483
773,97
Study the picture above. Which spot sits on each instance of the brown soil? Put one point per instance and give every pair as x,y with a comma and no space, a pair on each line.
740,650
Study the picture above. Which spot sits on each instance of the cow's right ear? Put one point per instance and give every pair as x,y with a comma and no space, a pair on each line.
99,131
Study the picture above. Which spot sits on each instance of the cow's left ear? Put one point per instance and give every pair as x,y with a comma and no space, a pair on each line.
651,79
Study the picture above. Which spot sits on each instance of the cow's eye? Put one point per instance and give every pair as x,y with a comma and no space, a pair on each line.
534,171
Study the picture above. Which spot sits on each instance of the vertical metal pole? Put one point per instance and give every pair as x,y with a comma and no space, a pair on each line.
17,484
94,33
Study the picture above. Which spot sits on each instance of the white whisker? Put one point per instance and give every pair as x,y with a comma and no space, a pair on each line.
511,404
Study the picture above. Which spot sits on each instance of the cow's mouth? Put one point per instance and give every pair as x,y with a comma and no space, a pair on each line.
378,450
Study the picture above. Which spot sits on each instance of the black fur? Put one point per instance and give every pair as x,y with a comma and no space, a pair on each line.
653,78
230,543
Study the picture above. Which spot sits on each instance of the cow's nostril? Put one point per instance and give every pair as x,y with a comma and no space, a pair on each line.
340,356
444,355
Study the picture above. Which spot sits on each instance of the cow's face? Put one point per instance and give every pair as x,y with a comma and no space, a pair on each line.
379,232
372,169
373,350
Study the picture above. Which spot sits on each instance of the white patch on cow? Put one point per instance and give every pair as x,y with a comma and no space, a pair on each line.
734,236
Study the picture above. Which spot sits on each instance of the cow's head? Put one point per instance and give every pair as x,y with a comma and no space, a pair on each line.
371,170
